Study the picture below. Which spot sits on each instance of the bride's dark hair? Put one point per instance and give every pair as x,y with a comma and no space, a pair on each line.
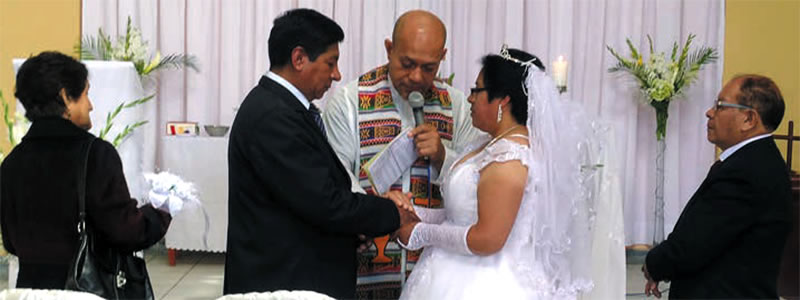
503,77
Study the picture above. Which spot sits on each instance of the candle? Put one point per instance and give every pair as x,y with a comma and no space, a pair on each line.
560,71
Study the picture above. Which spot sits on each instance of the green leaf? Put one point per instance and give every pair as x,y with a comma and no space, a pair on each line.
139,101
634,53
175,61
126,132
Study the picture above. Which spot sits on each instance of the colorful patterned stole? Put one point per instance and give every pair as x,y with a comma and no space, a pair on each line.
379,123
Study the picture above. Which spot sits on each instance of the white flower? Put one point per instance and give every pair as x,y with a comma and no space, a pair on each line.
133,49
167,189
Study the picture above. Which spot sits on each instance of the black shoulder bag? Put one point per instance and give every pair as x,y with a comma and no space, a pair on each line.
104,272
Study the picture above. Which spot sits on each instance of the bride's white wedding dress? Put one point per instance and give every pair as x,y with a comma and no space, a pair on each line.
567,236
443,274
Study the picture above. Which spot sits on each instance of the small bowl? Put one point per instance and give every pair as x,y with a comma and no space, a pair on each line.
216,130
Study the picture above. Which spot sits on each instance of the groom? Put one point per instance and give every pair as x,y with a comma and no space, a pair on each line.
729,238
293,222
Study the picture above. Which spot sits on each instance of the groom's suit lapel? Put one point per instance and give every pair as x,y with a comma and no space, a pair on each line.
309,124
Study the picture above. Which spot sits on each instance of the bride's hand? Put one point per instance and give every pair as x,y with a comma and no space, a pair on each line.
401,200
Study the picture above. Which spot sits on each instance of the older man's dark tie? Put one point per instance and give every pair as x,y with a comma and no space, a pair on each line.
317,118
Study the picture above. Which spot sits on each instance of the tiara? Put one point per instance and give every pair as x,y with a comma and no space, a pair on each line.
505,55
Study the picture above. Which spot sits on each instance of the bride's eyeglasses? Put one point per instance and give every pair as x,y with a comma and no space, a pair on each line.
476,90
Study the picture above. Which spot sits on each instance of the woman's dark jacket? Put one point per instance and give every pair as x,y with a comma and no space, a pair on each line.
39,202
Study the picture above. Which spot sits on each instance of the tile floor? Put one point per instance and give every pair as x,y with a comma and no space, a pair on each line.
198,275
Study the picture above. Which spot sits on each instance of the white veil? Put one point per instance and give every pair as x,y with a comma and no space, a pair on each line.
566,181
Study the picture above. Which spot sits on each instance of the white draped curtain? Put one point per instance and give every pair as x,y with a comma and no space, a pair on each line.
229,39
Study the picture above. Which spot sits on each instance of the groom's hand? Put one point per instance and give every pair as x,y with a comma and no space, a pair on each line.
407,217
428,143
400,200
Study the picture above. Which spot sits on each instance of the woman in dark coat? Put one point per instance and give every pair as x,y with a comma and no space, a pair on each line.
38,179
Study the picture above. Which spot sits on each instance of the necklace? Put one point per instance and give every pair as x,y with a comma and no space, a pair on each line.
499,136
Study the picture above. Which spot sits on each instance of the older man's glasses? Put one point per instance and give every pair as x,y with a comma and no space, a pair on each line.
476,90
720,104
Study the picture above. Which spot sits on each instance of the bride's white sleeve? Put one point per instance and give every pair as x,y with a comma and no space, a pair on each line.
450,237
430,215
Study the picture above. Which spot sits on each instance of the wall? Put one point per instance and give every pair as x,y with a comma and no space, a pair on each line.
763,37
28,27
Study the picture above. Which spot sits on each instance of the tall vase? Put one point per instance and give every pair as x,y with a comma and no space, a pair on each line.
661,108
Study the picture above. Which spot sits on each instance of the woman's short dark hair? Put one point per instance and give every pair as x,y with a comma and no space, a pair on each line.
762,94
40,81
503,77
302,27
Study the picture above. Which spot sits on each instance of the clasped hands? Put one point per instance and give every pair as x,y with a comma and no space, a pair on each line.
408,219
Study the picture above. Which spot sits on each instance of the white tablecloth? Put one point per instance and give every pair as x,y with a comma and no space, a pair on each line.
204,162
111,83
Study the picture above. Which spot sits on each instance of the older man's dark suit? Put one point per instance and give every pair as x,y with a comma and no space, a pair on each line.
729,238
292,220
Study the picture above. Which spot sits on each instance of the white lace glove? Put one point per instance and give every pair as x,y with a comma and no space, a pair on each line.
430,215
450,237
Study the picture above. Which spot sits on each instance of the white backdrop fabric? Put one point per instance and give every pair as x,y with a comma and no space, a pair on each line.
229,39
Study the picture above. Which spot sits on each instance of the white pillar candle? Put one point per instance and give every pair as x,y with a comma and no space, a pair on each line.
560,71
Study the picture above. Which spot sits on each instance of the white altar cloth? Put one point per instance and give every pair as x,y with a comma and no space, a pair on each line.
204,162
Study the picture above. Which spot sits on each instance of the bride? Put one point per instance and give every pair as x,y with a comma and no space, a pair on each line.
518,214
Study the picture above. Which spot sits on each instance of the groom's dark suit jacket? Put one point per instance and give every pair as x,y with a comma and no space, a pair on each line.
729,238
292,220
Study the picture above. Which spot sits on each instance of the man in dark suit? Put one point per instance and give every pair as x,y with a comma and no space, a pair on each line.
729,238
293,222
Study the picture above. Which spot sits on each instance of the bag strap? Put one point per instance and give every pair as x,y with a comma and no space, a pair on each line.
82,186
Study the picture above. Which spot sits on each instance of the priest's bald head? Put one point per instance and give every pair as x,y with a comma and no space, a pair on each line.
415,51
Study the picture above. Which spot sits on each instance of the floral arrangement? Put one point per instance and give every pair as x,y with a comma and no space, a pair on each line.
131,47
171,193
167,189
661,78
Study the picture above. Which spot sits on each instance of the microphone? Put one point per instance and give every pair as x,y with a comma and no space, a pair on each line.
416,101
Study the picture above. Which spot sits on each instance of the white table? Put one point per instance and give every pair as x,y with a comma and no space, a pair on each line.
204,162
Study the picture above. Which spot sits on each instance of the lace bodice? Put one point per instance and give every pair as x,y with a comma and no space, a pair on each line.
460,183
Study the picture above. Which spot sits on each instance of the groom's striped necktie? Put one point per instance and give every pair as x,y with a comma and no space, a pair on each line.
317,118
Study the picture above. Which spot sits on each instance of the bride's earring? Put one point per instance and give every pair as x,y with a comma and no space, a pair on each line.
499,113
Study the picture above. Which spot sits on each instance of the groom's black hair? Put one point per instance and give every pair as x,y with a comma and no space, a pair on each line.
302,27
503,77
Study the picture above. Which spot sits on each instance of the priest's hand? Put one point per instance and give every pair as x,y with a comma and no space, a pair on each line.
429,143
